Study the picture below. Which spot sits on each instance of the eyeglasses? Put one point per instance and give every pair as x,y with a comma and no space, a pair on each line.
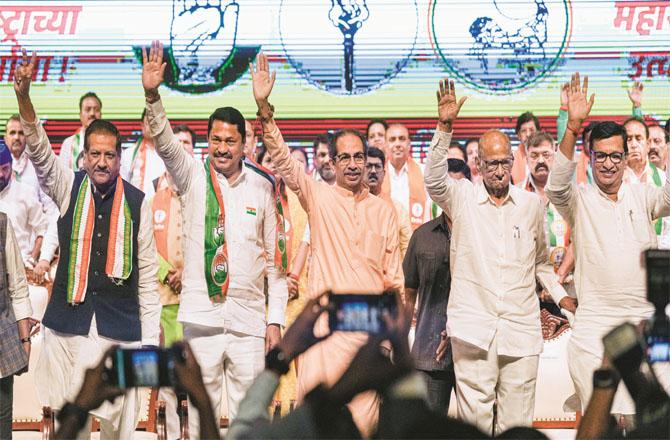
546,155
492,165
346,158
601,157
374,167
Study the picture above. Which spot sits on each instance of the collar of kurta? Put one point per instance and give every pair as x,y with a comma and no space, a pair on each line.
346,193
221,178
483,195
403,170
620,194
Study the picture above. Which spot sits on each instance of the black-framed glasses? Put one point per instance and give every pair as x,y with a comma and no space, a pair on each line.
492,165
600,156
345,158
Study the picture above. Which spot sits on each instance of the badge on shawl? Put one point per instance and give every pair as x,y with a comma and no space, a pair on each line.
219,267
556,257
417,210
281,241
558,227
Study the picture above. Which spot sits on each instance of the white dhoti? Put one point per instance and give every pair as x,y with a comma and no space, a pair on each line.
483,377
60,373
222,353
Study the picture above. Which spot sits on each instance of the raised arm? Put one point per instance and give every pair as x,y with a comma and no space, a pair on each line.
561,189
149,301
177,161
292,171
440,186
635,95
55,179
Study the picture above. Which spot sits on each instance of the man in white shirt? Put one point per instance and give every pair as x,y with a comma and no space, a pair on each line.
498,250
222,308
23,209
641,170
611,223
24,172
141,164
405,176
90,109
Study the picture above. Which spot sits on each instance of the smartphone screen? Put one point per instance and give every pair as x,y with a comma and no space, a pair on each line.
143,367
360,312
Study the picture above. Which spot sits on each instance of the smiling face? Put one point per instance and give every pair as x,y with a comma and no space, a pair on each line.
101,160
638,144
398,144
90,111
226,148
377,136
608,175
658,148
349,168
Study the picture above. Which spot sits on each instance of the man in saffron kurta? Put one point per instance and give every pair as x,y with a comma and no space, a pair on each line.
354,239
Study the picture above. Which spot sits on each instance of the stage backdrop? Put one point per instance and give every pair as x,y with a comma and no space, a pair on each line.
339,59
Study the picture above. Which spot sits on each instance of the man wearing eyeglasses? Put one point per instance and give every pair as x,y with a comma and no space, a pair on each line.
611,223
354,239
497,251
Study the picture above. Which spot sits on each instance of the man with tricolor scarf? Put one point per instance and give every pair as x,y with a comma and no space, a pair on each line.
105,287
404,181
354,241
90,109
641,170
233,239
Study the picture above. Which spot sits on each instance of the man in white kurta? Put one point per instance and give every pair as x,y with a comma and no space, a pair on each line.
498,249
611,224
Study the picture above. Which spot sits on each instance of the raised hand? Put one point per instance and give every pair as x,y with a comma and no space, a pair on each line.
578,105
262,80
23,75
202,36
635,94
447,104
153,67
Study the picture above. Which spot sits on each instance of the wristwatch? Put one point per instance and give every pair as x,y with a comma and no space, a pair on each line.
605,378
277,361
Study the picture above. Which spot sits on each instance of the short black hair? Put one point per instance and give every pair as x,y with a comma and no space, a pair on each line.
89,95
373,122
379,154
456,144
526,117
459,166
332,146
230,115
640,121
321,139
537,138
587,130
183,128
104,127
606,130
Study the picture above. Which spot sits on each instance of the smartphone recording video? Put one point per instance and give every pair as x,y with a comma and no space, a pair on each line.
360,312
143,367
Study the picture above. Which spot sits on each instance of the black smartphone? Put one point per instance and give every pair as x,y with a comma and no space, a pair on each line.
625,349
143,367
360,312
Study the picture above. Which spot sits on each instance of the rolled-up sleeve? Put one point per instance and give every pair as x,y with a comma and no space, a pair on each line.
150,307
18,285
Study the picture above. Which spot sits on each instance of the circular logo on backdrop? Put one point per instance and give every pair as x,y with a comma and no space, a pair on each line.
348,47
501,46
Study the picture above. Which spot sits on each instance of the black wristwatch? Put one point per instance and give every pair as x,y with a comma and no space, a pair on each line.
277,361
605,378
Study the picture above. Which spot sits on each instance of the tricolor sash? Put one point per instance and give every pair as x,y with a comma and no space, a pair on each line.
216,248
656,177
119,245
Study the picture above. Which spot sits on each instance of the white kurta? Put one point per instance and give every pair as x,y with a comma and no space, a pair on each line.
609,239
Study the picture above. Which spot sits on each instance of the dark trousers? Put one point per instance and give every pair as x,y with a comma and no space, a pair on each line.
6,394
440,384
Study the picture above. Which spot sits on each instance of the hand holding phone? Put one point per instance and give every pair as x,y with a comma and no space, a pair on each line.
361,312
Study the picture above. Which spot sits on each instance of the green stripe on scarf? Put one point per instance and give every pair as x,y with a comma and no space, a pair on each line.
74,238
656,177
214,239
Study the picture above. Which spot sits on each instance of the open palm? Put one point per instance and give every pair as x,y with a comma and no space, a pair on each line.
578,105
153,67
262,79
448,105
